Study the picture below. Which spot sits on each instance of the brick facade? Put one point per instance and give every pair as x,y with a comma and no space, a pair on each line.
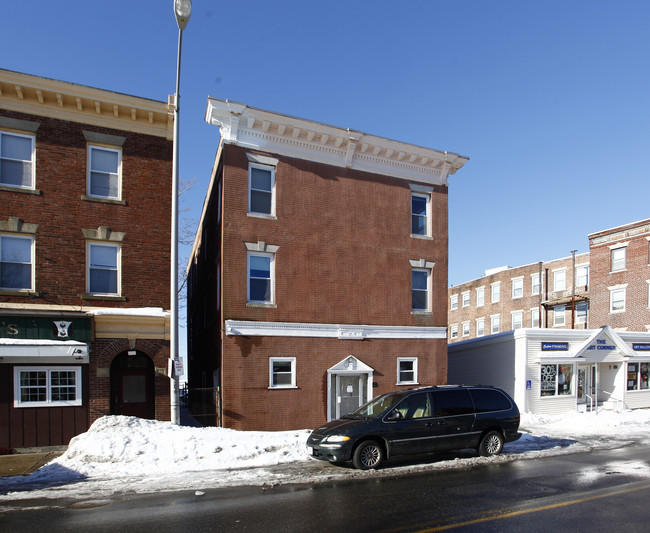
592,298
61,218
343,257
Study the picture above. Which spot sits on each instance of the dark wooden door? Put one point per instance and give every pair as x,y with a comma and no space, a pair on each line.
132,383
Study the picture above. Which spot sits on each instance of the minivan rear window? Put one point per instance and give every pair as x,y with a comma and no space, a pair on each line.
489,400
452,402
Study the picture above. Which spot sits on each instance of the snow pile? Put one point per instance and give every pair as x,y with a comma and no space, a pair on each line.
124,454
117,446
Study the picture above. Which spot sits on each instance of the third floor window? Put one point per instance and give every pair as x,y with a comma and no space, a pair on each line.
16,160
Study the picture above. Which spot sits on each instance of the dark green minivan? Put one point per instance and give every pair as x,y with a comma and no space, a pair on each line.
419,421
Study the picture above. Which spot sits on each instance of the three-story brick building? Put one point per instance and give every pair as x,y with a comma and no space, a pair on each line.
319,271
85,196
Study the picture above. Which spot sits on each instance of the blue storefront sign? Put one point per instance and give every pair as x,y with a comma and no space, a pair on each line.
555,346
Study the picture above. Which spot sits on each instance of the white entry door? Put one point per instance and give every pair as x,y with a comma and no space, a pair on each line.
586,383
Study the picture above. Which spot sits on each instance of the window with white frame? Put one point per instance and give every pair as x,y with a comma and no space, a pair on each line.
582,276
104,172
619,258
480,327
517,319
617,298
465,297
282,372
480,297
17,160
261,190
465,329
261,268
103,269
559,279
581,312
420,214
16,262
453,331
421,286
47,386
637,376
454,302
556,380
495,324
517,288
535,284
559,316
534,317
495,290
407,370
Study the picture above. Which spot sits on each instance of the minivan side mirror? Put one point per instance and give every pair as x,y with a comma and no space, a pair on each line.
394,415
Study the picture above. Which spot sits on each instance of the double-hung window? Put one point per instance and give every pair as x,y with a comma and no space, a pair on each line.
420,290
480,327
261,190
282,373
495,292
480,297
454,302
559,316
535,284
104,269
619,258
517,319
260,277
517,288
421,210
465,296
582,277
104,172
16,262
617,298
47,386
495,324
559,280
407,370
16,160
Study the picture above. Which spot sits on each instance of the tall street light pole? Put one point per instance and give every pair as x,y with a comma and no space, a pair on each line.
182,12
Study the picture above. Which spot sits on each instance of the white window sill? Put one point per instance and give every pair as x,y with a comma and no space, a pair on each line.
261,304
288,387
262,215
423,237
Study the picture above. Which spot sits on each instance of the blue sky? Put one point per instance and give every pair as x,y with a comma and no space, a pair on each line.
549,99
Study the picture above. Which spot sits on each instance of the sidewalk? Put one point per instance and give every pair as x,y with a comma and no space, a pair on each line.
27,460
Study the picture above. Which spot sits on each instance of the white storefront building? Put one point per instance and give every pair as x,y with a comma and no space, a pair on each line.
551,371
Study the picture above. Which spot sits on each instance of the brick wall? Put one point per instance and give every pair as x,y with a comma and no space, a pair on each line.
60,246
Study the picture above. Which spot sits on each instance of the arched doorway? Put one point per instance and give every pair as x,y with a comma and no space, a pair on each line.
132,385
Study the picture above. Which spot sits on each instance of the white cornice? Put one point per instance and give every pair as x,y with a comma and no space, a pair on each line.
335,331
313,141
77,103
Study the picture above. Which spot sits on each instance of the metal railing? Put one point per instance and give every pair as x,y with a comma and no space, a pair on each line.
203,404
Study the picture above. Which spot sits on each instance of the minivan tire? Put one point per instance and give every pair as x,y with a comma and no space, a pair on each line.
369,454
491,444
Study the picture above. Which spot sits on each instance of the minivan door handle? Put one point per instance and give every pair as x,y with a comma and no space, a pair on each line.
442,423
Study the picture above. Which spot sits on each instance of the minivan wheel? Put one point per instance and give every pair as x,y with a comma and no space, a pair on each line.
491,444
367,455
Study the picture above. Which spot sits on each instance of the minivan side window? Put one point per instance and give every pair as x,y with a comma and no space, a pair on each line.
415,406
489,400
452,402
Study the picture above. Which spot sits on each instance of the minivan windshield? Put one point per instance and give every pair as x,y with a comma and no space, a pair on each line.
377,406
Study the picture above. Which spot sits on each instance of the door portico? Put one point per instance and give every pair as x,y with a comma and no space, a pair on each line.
348,386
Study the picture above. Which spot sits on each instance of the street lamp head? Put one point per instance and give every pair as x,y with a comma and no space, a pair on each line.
182,11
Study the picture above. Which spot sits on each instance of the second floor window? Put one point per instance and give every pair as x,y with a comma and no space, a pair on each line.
16,262
617,299
420,289
517,319
495,324
260,278
535,284
16,160
104,172
103,269
261,189
559,280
